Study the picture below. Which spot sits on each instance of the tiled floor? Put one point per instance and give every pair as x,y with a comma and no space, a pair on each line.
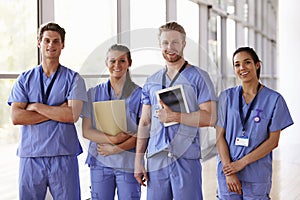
286,176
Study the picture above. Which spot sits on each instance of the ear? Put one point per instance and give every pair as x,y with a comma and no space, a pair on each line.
106,62
257,65
184,43
130,62
63,45
39,44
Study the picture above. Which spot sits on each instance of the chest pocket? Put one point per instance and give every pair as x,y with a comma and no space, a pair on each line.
259,123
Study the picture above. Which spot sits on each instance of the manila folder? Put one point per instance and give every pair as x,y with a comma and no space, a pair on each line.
110,116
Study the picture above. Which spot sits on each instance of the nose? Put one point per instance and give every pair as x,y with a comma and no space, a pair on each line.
51,43
242,66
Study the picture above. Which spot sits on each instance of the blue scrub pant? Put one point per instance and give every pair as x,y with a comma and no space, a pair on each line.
59,173
251,191
105,180
179,179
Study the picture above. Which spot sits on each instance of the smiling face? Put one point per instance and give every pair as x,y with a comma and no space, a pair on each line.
172,45
117,63
244,67
50,45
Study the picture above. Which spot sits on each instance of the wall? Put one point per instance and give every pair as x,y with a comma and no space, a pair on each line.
289,67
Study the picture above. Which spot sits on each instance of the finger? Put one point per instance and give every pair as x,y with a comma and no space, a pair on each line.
164,106
230,187
145,176
139,179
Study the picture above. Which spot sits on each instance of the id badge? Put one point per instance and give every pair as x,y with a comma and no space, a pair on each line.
242,141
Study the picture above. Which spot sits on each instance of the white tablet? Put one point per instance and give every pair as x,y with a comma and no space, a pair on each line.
175,98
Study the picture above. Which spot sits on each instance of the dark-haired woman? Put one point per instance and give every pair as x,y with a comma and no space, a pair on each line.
250,119
111,158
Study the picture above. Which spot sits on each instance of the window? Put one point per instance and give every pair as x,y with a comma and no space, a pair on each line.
145,19
91,28
18,35
18,50
188,17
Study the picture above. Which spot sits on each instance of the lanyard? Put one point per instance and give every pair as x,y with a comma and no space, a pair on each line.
45,96
109,89
109,93
176,76
244,120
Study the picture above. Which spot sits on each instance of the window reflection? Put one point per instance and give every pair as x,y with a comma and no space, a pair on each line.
88,26
188,17
18,35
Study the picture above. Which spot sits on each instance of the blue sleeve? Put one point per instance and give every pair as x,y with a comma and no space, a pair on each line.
281,117
222,110
87,108
78,89
145,94
18,93
207,91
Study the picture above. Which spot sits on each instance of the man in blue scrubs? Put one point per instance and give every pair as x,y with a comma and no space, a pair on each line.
173,152
46,101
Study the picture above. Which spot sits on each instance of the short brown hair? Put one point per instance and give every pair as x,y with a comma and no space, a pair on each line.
51,26
172,26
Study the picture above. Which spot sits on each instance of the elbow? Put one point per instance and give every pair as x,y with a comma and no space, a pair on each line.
84,134
212,121
275,145
15,120
75,119
70,119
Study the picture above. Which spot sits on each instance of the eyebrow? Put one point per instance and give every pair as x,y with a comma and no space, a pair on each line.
243,60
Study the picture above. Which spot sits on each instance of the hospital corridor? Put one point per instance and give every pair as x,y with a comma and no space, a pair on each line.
214,30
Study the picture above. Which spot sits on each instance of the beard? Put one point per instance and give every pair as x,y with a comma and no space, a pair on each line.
172,59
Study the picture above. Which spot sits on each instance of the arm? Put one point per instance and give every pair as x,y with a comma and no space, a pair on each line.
141,145
64,113
233,183
261,151
222,145
205,116
99,137
109,149
21,116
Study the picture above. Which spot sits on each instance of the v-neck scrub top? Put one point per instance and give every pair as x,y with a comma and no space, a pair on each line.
49,138
274,115
125,159
181,140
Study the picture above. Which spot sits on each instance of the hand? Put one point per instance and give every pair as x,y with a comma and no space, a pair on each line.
233,167
140,173
107,149
64,104
234,184
165,114
32,106
119,138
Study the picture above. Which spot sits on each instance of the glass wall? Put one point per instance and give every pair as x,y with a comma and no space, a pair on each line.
91,27
145,19
18,50
187,12
220,26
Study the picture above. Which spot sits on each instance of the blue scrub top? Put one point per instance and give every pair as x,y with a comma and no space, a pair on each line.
181,140
125,159
274,114
49,138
